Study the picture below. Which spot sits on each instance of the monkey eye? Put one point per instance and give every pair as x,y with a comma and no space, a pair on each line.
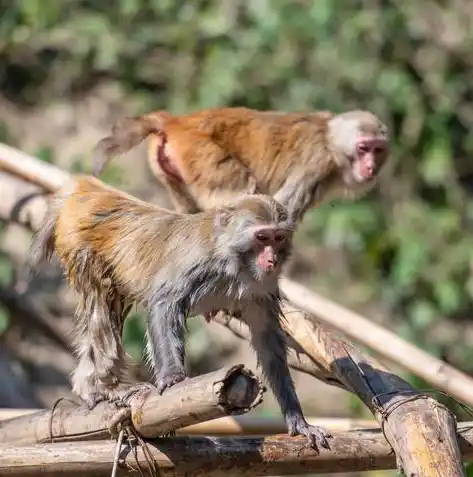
280,238
379,150
262,237
362,147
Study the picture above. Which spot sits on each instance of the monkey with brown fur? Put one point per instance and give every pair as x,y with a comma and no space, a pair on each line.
208,157
115,247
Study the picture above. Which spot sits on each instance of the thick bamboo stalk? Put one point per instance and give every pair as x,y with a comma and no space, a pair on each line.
230,390
213,457
241,425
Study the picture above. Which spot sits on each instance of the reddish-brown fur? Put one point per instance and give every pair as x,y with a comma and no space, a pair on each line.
207,157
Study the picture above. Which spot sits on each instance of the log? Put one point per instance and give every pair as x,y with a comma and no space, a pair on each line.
241,425
230,390
354,451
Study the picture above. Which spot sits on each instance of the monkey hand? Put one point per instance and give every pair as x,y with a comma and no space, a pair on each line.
166,381
316,435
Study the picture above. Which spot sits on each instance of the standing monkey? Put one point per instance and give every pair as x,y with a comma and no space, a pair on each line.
114,248
208,157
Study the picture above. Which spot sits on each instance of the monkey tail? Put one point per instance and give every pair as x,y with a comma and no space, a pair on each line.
126,134
44,242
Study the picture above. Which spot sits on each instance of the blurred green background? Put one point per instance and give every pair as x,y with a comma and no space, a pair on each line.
403,254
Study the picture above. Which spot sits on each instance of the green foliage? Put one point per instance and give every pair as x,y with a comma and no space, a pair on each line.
4,319
134,335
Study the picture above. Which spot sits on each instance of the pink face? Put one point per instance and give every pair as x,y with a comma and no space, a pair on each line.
370,155
269,241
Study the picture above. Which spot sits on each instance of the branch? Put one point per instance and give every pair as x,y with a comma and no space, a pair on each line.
435,371
354,451
241,425
230,390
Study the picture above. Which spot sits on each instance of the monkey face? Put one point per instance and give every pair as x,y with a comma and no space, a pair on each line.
268,243
368,159
361,144
260,235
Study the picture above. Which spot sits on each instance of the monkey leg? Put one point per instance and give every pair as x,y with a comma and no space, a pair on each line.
180,197
269,344
101,370
166,346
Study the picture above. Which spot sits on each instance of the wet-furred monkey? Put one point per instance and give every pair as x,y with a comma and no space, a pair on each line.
116,250
208,157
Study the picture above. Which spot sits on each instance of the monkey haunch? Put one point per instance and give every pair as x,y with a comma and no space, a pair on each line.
208,157
114,246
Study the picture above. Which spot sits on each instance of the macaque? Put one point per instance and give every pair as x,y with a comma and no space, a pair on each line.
208,157
117,250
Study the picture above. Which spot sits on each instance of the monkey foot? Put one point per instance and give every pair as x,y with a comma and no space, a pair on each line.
165,382
121,398
118,395
93,399
317,436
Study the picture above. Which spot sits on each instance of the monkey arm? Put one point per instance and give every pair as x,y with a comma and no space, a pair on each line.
267,338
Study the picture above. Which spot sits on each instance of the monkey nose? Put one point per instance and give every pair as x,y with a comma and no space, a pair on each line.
272,263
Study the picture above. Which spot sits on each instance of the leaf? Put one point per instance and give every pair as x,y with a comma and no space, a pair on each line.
436,163
448,294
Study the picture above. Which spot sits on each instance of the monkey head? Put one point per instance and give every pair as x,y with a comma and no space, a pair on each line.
258,234
360,144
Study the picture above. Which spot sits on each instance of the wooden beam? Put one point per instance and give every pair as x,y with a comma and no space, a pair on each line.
354,451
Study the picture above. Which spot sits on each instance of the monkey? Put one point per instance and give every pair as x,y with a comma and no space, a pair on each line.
117,250
207,157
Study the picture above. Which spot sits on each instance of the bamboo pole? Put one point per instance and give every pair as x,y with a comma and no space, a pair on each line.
241,425
230,390
353,451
